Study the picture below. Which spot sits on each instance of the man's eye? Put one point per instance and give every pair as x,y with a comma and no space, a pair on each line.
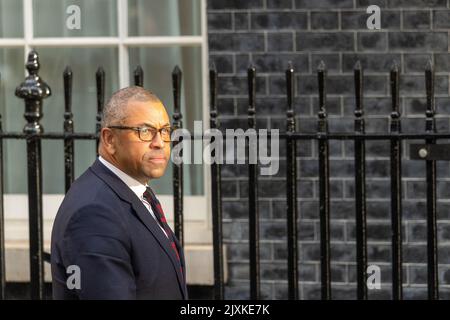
145,131
165,131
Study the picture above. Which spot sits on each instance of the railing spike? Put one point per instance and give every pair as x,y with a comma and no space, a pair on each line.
394,66
212,66
429,65
290,88
138,76
321,66
395,96
359,76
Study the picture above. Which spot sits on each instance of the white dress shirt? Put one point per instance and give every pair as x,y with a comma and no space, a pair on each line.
135,186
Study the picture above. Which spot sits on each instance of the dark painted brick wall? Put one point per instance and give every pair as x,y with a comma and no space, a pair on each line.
269,33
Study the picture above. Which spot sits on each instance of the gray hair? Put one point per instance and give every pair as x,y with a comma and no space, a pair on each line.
114,112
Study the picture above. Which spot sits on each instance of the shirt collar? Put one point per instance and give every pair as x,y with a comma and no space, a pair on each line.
135,186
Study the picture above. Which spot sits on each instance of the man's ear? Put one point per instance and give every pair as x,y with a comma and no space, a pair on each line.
108,140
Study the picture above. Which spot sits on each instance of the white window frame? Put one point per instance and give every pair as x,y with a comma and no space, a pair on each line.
198,221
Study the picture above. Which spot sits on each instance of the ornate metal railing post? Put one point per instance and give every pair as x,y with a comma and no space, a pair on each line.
100,83
33,90
216,193
291,188
396,185
360,186
431,174
324,186
178,220
69,146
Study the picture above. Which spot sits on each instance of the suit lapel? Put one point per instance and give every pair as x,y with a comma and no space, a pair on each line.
152,225
182,260
125,193
181,251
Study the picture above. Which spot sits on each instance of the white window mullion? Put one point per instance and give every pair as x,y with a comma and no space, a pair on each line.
184,41
75,42
124,62
27,27
164,41
12,43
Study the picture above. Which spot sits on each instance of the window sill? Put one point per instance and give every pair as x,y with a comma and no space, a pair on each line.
197,232
199,261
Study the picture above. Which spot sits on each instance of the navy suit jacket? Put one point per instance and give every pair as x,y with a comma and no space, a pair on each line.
103,228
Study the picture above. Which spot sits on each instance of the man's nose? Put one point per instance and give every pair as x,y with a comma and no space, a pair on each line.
157,141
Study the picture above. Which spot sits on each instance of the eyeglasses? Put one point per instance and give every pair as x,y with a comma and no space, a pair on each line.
147,133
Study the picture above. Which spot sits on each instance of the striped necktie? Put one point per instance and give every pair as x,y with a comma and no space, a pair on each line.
159,213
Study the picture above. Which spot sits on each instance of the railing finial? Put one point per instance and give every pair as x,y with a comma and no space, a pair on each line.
321,77
358,76
33,64
395,88
429,86
33,90
176,87
33,87
139,76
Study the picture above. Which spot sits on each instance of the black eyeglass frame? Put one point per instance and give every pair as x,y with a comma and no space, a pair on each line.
140,129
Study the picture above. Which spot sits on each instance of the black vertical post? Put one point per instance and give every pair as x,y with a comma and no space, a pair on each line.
177,168
2,223
216,194
33,90
432,252
69,170
100,81
396,187
139,76
291,188
360,187
253,191
324,186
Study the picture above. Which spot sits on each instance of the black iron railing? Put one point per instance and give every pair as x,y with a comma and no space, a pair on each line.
430,152
33,90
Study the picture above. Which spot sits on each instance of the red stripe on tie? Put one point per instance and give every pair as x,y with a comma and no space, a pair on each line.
176,250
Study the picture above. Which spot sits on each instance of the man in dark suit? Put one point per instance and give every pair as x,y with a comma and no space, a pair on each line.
110,239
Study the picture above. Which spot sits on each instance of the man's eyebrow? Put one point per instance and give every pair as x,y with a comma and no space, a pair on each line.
152,126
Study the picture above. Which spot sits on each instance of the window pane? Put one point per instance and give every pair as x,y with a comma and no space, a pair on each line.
164,17
12,110
84,62
68,18
158,64
11,21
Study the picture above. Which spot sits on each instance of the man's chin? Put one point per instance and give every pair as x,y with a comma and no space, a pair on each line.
155,173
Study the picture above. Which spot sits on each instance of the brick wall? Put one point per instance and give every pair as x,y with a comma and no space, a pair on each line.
269,33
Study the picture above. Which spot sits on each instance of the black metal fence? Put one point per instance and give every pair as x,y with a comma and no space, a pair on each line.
33,90
429,152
